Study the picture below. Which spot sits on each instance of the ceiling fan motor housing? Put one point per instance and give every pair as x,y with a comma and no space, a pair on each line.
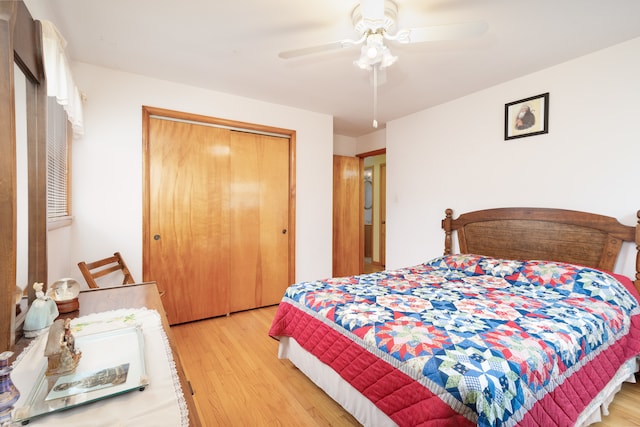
372,16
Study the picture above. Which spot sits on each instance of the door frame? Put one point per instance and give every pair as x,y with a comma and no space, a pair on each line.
148,112
382,220
363,156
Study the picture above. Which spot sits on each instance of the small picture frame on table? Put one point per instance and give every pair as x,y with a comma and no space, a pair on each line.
527,117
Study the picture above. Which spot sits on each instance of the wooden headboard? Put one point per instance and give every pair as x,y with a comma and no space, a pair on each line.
543,233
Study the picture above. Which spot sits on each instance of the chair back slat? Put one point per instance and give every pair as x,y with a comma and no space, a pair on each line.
104,267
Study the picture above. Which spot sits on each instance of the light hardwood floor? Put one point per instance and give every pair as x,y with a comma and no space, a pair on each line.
370,267
238,380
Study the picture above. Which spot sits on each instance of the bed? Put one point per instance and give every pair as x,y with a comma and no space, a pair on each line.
526,325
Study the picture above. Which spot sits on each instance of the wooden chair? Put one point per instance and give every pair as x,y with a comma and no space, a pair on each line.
94,270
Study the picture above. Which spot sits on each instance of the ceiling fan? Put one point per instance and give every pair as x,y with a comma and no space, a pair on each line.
374,22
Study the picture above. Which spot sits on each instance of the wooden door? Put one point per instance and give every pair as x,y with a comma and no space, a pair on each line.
348,216
259,220
189,218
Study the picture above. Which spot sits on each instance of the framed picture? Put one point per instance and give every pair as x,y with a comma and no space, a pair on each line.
527,117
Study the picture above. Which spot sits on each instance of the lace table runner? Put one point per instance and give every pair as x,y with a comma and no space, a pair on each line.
161,403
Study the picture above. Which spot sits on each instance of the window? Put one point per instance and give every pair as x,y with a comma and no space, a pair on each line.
58,163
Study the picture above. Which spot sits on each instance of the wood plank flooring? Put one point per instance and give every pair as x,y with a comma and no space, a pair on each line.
370,267
238,380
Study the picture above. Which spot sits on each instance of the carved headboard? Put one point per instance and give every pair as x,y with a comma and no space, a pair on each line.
543,233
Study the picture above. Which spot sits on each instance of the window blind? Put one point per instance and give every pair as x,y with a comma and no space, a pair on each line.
57,161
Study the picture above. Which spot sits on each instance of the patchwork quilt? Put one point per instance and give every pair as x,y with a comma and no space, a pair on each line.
470,340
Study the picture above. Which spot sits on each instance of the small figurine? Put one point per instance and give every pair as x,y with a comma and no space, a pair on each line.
41,314
61,349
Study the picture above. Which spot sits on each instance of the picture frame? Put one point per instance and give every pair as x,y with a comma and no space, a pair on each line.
527,117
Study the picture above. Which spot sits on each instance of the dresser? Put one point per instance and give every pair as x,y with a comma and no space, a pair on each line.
136,296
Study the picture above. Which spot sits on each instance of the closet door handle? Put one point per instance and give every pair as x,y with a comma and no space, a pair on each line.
284,231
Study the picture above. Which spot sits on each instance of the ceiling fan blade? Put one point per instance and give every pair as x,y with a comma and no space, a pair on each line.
341,44
442,32
310,50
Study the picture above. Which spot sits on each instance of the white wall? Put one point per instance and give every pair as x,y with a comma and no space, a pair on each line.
349,146
344,145
455,156
372,141
107,167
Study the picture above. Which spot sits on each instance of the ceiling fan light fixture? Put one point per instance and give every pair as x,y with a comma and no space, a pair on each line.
387,58
374,21
363,62
374,52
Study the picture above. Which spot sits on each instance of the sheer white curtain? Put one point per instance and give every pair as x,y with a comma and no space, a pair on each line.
60,82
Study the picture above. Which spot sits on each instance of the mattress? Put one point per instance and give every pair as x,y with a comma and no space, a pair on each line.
363,410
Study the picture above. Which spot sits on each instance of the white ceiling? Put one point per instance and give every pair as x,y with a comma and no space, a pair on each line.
233,46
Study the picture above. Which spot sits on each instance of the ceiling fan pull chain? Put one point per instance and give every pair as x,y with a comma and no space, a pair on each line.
375,96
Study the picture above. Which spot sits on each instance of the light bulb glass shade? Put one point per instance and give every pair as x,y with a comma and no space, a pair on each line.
364,62
362,65
387,58
64,290
374,52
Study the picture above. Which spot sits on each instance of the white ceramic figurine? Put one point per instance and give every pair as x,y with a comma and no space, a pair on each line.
41,314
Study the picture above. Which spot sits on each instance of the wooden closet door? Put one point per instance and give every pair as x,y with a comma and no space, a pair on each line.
189,218
259,199
348,216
